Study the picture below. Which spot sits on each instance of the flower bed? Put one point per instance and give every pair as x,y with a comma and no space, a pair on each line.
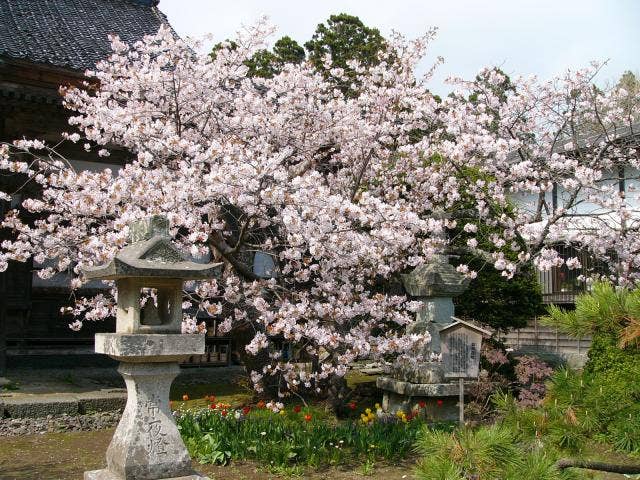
280,437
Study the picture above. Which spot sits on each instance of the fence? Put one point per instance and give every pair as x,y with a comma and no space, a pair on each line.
547,341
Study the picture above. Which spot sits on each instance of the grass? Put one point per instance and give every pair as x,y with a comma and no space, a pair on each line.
237,392
9,387
234,394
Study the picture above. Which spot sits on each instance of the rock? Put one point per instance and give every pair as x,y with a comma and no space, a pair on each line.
58,423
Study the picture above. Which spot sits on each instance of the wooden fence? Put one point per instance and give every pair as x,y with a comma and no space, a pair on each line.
548,341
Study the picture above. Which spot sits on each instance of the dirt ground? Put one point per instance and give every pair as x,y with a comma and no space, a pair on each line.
65,456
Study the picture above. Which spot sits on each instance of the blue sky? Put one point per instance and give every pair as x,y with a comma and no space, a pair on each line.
540,37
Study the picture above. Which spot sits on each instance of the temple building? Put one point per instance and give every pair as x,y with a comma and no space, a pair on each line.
45,44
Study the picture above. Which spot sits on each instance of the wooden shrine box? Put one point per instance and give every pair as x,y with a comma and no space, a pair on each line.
460,345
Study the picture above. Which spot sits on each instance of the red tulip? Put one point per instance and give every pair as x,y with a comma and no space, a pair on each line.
352,405
212,406
307,418
422,404
297,408
439,402
223,413
185,397
246,410
261,404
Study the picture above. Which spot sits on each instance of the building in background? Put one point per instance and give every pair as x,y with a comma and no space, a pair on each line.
561,285
45,44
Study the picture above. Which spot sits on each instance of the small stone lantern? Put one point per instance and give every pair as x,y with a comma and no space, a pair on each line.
434,285
146,444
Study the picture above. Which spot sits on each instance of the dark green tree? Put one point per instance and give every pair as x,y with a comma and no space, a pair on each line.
497,302
492,299
344,38
267,63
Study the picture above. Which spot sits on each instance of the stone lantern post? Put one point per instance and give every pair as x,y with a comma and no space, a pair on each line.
434,285
148,344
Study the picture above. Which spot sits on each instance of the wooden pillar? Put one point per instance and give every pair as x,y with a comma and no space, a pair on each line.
461,402
3,324
3,303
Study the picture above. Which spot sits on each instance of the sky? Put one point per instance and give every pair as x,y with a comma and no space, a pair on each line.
541,37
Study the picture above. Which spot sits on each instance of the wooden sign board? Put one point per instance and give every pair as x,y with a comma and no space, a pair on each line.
460,345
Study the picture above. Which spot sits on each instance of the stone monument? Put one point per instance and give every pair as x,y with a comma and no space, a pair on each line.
434,284
148,344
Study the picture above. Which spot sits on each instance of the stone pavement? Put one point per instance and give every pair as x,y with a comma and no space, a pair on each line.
72,391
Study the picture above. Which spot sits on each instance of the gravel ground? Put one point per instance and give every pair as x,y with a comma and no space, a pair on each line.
58,423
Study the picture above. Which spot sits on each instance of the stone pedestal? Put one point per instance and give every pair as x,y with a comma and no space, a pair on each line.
441,398
147,445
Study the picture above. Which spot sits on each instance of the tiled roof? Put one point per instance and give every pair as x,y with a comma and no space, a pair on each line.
72,33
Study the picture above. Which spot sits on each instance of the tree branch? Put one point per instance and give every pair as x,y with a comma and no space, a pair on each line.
600,466
217,242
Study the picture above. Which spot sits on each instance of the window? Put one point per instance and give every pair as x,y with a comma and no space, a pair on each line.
263,265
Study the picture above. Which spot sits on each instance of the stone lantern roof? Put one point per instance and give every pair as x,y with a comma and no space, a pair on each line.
436,279
151,254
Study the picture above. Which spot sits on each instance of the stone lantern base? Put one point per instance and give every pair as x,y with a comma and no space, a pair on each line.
107,475
146,444
401,395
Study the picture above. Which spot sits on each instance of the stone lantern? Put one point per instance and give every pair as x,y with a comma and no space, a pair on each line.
149,345
434,285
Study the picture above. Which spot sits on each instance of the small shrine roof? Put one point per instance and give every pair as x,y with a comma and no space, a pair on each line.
458,322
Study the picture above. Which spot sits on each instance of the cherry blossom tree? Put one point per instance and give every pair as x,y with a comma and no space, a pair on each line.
286,166
343,192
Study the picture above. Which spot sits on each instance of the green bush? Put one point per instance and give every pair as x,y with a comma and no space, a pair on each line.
581,407
603,401
605,356
497,452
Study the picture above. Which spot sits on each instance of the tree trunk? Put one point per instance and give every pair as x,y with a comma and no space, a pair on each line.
337,394
600,466
241,336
